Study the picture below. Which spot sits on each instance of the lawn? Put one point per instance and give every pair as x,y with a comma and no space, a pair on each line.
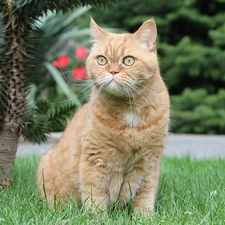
190,192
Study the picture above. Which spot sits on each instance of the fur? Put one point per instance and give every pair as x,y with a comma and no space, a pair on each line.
111,149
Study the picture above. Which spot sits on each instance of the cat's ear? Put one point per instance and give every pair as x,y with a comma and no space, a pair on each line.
147,34
97,32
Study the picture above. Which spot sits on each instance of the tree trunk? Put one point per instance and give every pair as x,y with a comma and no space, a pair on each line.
8,147
12,91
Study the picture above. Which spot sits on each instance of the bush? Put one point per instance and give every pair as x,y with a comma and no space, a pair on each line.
195,111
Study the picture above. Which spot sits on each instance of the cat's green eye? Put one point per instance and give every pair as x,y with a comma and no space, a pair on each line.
102,60
129,60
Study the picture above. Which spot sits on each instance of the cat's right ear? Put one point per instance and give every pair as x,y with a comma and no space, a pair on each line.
147,34
97,32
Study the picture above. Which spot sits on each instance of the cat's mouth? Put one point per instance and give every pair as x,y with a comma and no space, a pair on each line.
113,81
115,87
113,84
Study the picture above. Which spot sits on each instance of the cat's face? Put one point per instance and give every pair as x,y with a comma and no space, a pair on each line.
118,63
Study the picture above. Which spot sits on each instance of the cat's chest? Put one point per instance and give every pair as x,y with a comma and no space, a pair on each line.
131,119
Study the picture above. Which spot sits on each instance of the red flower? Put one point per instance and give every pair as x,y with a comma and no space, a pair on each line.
62,61
81,53
56,63
79,73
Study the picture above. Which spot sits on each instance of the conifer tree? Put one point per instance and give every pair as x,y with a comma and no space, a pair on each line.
17,59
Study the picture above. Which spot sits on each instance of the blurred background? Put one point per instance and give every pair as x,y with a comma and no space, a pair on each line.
191,44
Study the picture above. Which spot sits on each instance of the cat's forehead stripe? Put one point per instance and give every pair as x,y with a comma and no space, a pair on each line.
116,47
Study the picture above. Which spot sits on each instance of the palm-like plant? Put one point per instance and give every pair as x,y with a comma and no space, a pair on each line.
61,32
19,38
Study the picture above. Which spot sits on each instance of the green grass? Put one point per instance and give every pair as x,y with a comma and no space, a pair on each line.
190,192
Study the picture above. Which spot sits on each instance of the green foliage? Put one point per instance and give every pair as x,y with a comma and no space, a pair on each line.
194,111
2,35
45,117
1,110
35,8
61,34
191,49
194,65
1,79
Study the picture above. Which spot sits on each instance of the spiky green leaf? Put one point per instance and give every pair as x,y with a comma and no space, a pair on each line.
44,118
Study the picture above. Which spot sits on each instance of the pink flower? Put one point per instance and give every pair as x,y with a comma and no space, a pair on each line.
81,53
79,73
61,62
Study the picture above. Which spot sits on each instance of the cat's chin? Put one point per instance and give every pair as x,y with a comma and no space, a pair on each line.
119,92
116,90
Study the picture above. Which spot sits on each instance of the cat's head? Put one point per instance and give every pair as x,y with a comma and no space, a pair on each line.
118,63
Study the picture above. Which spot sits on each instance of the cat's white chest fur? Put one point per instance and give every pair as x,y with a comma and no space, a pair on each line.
132,119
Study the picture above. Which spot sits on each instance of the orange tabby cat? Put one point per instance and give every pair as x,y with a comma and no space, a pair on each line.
111,149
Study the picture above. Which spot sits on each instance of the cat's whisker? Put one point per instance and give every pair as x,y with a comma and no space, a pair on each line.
85,96
138,81
128,83
135,103
129,97
146,98
133,98
141,94
102,80
63,101
93,99
80,81
148,89
84,83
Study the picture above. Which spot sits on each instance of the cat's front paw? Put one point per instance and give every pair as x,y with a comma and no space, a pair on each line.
99,203
143,211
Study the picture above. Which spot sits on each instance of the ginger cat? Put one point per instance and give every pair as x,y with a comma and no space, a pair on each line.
111,149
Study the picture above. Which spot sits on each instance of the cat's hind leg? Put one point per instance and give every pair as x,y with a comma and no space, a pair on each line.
45,179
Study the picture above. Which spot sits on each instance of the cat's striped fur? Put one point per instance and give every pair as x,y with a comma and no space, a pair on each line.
111,149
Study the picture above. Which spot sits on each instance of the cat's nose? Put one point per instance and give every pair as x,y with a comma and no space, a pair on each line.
114,72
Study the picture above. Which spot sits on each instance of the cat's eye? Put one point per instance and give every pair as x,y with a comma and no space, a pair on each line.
102,60
129,60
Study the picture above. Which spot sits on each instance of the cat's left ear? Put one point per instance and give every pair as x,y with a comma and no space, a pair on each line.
96,31
147,34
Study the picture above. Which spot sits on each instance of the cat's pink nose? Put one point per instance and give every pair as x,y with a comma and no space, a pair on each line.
114,72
